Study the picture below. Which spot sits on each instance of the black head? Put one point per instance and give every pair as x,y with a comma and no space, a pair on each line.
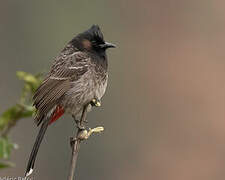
92,40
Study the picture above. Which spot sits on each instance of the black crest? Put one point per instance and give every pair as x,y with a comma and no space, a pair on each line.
94,34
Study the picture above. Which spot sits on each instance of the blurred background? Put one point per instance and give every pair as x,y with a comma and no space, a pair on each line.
163,111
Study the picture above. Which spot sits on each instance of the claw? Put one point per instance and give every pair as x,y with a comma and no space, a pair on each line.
96,102
84,134
80,126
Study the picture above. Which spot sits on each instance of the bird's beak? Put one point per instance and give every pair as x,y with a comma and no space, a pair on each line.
107,45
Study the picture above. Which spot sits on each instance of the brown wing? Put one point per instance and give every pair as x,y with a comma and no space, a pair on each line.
57,83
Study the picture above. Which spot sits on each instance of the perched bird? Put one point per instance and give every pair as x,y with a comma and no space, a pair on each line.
78,77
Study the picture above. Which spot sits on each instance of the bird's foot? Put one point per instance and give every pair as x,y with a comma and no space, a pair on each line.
95,102
85,134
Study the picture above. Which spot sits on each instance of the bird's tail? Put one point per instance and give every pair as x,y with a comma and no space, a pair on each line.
30,165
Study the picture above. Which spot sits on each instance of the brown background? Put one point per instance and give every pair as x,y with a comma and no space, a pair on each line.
163,112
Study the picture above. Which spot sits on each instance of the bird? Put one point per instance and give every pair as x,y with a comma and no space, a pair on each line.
77,78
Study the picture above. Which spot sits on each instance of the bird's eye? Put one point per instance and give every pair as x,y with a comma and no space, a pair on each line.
94,42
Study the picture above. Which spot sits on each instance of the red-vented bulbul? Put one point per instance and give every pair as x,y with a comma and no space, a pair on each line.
77,76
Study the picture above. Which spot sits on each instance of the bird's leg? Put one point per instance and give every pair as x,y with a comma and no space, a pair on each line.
95,102
75,119
82,133
78,124
83,116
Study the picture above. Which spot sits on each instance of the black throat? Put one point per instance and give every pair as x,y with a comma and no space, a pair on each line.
99,58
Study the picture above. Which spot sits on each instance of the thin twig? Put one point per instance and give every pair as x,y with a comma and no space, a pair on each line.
82,134
75,144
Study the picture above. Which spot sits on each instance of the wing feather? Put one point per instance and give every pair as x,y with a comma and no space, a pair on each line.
58,81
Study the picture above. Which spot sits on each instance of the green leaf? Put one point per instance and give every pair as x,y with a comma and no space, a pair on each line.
6,165
21,110
8,115
27,77
31,81
14,113
5,148
5,151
